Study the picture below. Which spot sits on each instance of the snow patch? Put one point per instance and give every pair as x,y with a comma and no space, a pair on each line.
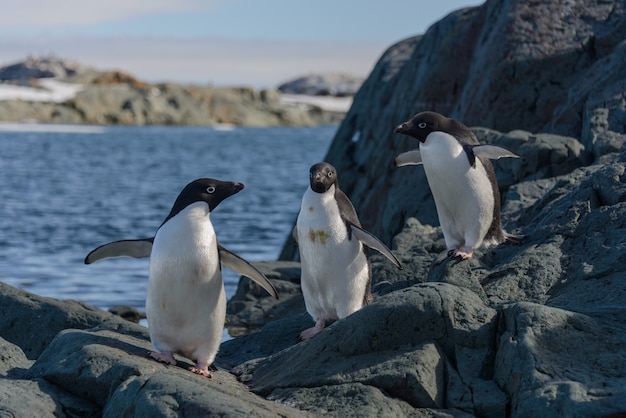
52,91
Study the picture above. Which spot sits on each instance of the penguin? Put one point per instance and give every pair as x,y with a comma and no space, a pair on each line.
461,179
186,301
335,265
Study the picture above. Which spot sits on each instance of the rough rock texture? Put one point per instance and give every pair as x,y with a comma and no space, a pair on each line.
63,358
535,329
555,67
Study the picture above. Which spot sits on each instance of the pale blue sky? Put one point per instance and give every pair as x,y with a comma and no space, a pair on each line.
224,42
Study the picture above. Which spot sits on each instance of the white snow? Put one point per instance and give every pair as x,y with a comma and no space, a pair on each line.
50,127
329,103
52,91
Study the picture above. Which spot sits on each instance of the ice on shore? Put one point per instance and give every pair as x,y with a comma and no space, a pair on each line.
328,103
52,91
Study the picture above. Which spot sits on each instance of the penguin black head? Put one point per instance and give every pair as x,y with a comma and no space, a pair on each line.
422,124
210,191
322,176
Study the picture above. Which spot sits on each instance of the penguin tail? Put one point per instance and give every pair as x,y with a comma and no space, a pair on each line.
513,239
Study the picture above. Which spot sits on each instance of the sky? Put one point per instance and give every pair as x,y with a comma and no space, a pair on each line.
257,43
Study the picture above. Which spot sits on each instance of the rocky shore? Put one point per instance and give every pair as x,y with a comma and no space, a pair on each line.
115,97
535,329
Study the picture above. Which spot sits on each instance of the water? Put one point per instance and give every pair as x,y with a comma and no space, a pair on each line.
65,191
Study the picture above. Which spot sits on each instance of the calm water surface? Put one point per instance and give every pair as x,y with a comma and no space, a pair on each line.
65,192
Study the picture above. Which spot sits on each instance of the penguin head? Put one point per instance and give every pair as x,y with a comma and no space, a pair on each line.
322,176
206,190
421,125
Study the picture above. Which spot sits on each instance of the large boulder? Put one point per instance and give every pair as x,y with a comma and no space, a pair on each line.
518,330
63,358
554,67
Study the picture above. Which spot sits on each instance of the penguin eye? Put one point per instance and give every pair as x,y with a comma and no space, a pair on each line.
422,125
210,190
330,174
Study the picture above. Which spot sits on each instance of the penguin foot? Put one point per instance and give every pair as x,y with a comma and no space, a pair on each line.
201,371
453,253
309,332
463,255
443,258
164,357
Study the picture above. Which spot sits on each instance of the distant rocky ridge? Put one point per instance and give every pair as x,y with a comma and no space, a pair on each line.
536,329
115,97
41,67
323,85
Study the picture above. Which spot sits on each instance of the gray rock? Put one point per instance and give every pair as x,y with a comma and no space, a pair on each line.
401,344
38,398
485,66
31,322
251,307
535,329
12,358
559,363
103,370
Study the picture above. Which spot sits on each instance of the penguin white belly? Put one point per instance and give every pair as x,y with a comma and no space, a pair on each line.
186,303
334,268
463,194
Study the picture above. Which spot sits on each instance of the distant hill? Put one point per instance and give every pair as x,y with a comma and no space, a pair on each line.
117,97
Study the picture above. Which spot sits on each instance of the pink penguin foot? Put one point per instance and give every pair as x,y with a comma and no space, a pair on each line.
309,332
164,357
454,253
202,371
463,255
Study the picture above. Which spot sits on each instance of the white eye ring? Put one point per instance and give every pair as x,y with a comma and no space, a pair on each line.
422,125
330,174
210,189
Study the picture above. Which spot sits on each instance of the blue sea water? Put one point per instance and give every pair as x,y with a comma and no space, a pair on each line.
64,191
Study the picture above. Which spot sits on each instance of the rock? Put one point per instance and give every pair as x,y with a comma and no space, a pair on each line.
116,97
31,322
41,67
97,365
533,329
403,345
487,67
539,362
252,307
323,85
129,313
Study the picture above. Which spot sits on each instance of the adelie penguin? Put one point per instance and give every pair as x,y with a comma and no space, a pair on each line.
336,271
186,302
461,179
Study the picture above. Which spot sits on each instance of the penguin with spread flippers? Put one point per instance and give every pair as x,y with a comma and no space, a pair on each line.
336,271
461,179
186,302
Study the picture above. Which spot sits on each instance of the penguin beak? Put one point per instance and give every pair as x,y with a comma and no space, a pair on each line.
239,186
402,128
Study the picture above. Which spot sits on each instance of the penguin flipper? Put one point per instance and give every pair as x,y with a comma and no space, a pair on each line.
241,266
413,157
294,234
371,241
135,248
493,152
